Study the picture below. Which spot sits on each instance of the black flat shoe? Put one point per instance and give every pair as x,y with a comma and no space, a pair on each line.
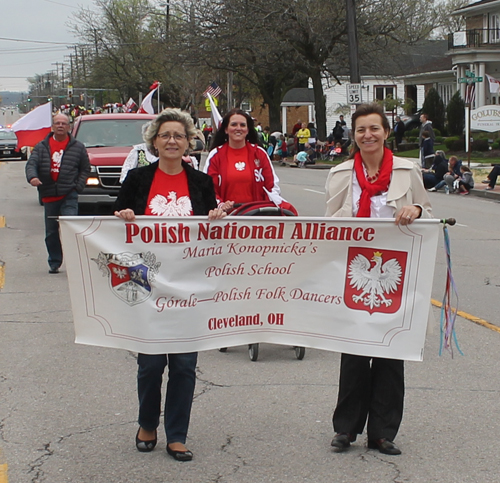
145,446
342,441
180,455
384,446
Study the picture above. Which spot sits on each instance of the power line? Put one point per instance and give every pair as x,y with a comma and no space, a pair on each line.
59,3
33,41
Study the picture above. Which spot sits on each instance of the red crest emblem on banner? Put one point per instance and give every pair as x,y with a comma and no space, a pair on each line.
374,279
130,275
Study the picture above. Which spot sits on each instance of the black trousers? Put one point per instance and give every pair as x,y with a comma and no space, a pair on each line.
370,389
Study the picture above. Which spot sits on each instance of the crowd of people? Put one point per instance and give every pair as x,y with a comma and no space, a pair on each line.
371,183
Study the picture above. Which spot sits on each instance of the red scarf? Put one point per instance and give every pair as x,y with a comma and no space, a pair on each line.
380,185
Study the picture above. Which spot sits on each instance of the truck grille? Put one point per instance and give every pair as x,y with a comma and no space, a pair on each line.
109,176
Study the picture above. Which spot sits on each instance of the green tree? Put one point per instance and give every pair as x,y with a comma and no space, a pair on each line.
455,112
434,108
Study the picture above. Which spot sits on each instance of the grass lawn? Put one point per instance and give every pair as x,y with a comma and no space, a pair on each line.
486,157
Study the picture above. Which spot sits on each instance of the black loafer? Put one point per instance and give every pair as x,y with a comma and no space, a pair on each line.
384,446
180,455
145,446
342,441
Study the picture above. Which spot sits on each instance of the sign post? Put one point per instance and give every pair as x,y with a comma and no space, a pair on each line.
470,79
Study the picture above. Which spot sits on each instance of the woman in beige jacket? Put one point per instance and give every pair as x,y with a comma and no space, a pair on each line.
376,184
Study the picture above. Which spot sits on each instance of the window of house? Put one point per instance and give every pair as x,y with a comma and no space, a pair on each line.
381,92
494,28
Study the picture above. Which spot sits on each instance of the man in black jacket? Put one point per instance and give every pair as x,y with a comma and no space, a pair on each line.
59,168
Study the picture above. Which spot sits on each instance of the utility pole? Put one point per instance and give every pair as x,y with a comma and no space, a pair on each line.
352,38
229,91
167,15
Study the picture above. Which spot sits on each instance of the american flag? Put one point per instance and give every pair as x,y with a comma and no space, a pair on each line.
213,89
470,93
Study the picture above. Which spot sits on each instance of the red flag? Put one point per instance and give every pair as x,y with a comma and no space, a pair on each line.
34,126
154,85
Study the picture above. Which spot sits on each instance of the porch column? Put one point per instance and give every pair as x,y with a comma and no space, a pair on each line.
461,74
283,119
481,86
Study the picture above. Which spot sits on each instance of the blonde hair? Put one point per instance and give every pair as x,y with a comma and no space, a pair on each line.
169,114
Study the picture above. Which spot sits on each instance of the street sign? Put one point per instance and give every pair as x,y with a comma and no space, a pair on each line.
354,93
469,80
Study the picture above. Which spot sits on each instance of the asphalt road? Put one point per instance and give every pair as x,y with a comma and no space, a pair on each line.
68,412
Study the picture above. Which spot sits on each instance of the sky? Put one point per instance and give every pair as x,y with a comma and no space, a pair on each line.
36,21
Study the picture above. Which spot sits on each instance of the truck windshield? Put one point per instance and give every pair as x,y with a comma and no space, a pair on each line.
110,132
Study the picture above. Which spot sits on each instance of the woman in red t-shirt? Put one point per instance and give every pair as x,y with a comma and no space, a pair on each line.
240,169
170,187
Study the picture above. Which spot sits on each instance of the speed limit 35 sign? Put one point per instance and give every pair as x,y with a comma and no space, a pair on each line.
354,93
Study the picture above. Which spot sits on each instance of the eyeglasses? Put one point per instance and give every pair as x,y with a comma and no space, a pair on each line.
166,136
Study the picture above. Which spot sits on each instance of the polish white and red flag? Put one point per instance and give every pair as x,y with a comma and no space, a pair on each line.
146,106
34,126
130,105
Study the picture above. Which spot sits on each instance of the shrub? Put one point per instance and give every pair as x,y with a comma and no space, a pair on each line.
455,113
480,145
437,132
454,143
438,140
495,145
414,132
434,108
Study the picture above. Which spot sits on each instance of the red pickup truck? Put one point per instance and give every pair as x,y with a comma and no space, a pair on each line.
108,139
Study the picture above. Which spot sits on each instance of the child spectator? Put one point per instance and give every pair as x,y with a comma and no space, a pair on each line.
281,149
466,181
301,159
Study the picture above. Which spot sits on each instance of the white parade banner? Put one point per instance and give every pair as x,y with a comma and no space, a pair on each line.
171,285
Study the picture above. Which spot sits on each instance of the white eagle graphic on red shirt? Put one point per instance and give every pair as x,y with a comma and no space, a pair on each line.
170,206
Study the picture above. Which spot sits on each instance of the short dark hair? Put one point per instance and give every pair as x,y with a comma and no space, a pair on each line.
366,110
221,137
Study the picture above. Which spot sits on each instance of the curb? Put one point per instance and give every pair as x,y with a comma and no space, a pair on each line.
490,195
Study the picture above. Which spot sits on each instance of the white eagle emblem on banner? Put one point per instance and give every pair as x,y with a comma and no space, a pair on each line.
240,165
130,275
374,280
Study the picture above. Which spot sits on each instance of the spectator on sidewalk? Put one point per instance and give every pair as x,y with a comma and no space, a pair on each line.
426,126
303,135
492,177
427,150
449,178
437,171
466,181
399,131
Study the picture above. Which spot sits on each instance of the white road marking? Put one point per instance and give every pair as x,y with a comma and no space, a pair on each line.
314,191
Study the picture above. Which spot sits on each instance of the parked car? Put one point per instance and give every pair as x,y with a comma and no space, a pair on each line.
8,145
411,121
108,139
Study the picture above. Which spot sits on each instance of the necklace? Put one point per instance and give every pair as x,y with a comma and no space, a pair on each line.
371,179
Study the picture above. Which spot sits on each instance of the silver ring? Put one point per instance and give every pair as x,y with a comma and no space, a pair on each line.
409,217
